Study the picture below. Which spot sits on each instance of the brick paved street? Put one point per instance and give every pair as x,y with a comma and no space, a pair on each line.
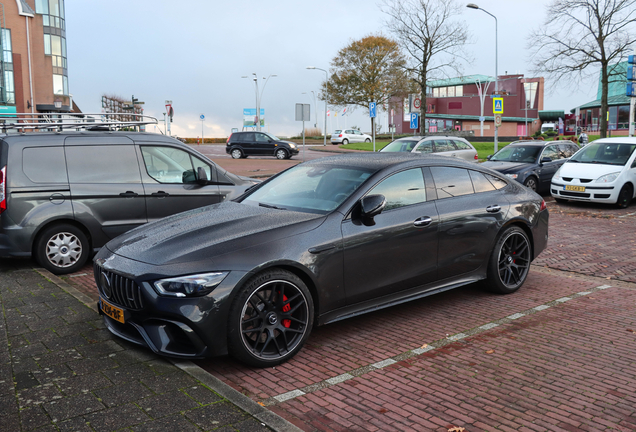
559,355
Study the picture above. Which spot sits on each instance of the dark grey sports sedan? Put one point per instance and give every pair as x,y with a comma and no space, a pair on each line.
320,242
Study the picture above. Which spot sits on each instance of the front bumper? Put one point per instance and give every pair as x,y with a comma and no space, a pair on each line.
595,194
190,327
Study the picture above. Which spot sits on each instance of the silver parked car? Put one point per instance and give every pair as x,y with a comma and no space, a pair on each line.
441,145
349,136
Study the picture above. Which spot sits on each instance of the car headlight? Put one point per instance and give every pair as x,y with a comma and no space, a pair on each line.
190,286
292,145
512,176
608,178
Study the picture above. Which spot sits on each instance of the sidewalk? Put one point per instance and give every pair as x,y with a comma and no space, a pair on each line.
61,370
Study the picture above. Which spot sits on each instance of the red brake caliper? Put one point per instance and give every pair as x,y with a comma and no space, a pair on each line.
286,308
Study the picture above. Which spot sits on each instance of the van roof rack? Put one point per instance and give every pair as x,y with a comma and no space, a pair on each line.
58,122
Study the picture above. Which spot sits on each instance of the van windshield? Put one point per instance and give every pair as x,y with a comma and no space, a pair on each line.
603,153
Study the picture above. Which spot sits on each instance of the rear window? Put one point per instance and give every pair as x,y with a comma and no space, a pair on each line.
44,164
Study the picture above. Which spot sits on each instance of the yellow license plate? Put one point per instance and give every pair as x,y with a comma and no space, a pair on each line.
575,188
113,312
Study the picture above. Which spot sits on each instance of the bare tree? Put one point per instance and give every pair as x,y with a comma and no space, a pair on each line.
580,34
434,40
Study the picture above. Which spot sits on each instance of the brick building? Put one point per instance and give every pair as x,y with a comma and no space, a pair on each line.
34,75
455,104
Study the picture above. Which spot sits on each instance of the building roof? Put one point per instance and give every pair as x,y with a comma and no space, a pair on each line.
469,79
24,8
611,100
551,115
475,117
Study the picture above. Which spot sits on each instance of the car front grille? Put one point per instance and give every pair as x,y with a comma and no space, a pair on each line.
118,289
575,194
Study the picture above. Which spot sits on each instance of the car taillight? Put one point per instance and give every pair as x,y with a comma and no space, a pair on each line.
543,206
3,189
476,156
228,139
340,136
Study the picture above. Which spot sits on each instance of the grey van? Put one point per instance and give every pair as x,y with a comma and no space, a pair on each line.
64,195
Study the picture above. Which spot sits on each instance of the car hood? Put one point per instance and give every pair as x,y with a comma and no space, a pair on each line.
588,170
506,167
208,231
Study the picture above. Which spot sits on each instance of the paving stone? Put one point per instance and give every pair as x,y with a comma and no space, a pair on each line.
162,367
38,395
170,423
166,383
33,417
116,418
122,394
84,366
215,415
129,373
73,406
132,353
83,384
100,349
251,425
57,343
77,424
202,394
166,404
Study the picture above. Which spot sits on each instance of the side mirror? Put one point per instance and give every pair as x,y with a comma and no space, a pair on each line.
202,176
269,141
371,206
489,157
546,160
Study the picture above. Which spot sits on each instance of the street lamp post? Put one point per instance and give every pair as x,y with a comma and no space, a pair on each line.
326,78
259,98
474,6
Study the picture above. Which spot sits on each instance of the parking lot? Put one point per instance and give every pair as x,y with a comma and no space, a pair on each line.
558,355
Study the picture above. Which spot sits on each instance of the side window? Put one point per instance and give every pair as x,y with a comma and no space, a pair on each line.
443,145
246,137
462,145
480,182
425,147
402,189
102,164
451,182
551,152
496,181
169,165
261,137
196,162
44,164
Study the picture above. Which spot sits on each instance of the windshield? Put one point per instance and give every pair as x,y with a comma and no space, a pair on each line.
517,153
311,189
400,146
607,154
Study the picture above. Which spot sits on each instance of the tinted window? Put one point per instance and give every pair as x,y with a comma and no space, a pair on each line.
480,182
402,189
246,137
496,181
102,164
44,164
444,145
170,165
425,147
261,137
451,182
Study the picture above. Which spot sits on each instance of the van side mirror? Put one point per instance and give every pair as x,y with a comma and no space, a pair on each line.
202,176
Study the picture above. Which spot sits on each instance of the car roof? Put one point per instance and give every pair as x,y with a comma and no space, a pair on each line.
539,143
377,161
616,140
47,138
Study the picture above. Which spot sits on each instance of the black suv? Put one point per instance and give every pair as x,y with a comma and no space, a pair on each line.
64,195
244,144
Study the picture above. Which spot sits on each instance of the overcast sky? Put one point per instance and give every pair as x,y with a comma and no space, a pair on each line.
194,53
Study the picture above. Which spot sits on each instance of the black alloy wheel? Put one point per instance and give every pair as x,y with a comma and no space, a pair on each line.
270,319
509,261
531,183
625,196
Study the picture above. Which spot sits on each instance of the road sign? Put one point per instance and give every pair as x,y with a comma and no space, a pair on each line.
497,105
372,109
497,120
414,120
417,103
202,117
482,118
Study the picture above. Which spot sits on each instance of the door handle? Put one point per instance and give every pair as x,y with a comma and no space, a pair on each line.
422,221
160,194
128,194
493,209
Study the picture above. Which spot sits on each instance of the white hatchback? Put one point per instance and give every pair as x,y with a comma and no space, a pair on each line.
349,135
603,171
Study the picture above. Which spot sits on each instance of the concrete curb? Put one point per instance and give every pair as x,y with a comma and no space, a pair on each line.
270,419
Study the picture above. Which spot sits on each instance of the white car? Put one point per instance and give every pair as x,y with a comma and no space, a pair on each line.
603,171
349,136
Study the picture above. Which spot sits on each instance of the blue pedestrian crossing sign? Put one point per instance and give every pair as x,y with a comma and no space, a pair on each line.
414,120
372,111
497,105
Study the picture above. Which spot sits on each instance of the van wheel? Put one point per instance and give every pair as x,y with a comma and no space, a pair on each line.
62,249
236,154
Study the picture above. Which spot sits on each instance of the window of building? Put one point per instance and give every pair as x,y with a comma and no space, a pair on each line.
58,84
613,117
442,92
623,117
459,91
451,92
436,92
8,90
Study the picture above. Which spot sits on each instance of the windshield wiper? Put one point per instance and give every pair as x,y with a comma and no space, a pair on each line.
271,206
